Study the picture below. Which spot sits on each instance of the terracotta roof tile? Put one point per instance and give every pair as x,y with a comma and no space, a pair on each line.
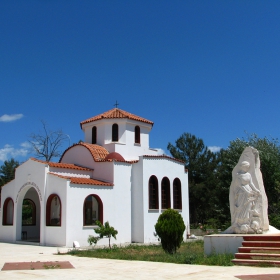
98,153
38,160
89,181
68,165
63,165
117,160
116,113
163,156
83,181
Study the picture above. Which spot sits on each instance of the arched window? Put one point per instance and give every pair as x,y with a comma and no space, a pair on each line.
137,134
165,193
53,213
93,210
115,133
8,212
28,213
177,194
94,135
153,192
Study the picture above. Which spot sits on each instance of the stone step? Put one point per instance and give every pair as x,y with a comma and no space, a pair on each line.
256,262
266,250
257,256
262,237
261,244
260,250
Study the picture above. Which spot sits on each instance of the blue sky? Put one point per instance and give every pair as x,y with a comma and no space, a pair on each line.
210,68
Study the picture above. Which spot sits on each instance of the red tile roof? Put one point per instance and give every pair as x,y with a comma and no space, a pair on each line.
89,181
98,153
115,156
116,113
83,181
39,160
62,165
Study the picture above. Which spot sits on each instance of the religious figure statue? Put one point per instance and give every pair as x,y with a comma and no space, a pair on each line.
248,201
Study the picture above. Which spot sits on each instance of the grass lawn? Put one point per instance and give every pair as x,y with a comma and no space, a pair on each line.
189,253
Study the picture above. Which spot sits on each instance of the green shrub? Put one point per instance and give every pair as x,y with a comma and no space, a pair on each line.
170,228
103,231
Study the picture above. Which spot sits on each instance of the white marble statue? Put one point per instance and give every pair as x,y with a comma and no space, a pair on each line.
247,197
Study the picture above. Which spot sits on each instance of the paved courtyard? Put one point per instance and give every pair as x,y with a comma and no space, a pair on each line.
86,268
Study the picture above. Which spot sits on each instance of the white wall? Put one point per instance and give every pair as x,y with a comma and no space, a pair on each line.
56,235
71,172
126,145
121,212
76,195
80,155
162,167
30,174
116,208
104,131
33,231
7,232
137,198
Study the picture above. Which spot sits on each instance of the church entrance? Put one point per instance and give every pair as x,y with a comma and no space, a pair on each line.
29,217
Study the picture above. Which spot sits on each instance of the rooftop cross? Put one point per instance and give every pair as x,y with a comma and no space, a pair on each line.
116,104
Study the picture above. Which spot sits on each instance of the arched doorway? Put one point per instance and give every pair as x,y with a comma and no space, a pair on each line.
29,216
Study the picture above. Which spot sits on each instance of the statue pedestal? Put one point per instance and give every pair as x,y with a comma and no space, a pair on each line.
222,243
229,243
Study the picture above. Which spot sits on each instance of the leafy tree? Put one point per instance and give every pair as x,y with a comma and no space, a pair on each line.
103,231
210,176
47,144
170,228
7,171
202,165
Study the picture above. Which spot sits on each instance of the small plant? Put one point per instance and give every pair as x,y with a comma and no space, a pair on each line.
51,266
170,228
104,231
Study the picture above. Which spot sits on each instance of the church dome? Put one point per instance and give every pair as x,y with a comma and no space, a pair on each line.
115,156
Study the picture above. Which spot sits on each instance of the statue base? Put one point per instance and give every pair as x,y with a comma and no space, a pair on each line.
229,243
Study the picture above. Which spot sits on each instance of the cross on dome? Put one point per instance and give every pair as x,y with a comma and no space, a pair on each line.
116,105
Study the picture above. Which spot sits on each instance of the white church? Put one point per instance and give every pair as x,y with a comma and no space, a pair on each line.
112,176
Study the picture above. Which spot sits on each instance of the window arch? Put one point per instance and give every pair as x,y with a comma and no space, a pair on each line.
153,192
177,194
28,212
93,210
53,213
165,193
137,134
94,135
115,132
8,212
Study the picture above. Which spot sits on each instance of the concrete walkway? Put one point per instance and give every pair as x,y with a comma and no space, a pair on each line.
87,268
